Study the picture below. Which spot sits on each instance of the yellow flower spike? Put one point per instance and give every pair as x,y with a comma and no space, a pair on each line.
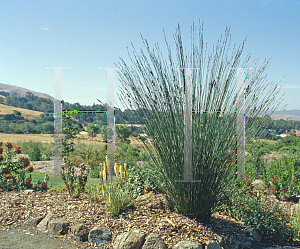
125,166
104,174
257,193
116,170
103,190
121,173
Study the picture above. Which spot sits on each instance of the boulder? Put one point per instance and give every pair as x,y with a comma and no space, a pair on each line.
187,245
133,240
58,227
100,235
43,225
32,223
153,241
80,231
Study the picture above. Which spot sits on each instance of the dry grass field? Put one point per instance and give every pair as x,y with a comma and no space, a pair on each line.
44,138
47,138
29,114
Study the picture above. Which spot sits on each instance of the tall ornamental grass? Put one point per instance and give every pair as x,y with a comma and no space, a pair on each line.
155,87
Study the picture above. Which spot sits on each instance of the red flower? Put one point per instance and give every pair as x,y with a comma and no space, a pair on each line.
10,183
17,149
1,149
30,168
273,191
24,160
1,157
8,145
7,176
28,182
44,186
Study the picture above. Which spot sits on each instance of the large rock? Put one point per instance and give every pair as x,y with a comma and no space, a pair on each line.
32,223
212,245
80,231
153,241
100,235
43,225
58,227
130,240
187,245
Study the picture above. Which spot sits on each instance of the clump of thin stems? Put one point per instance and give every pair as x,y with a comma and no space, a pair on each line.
155,87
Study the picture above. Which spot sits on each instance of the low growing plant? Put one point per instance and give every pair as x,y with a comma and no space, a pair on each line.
260,212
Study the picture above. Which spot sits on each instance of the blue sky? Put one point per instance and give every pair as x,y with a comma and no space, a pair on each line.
86,35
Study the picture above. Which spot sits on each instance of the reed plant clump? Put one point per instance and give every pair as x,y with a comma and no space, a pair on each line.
155,87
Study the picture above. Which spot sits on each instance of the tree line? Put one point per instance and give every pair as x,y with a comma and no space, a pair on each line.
15,123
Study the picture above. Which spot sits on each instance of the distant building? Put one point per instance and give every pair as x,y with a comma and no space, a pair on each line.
297,133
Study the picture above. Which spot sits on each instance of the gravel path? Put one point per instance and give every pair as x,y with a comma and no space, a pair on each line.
21,237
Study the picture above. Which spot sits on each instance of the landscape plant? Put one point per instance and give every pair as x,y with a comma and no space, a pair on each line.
13,169
282,177
155,87
35,153
75,180
259,211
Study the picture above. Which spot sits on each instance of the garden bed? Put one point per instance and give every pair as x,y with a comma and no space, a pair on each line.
19,207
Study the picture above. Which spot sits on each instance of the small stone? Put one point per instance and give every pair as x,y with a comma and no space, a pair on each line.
28,191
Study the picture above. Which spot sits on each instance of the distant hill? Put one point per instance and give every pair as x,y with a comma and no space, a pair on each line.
288,112
287,115
22,91
29,114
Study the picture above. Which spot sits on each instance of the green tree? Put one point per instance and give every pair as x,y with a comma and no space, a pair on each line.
92,129
103,131
17,113
293,132
123,133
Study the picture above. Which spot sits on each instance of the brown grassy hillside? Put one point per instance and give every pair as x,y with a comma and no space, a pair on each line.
29,114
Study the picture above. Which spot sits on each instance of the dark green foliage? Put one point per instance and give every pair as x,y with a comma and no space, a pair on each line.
128,154
122,133
35,153
92,129
17,113
70,133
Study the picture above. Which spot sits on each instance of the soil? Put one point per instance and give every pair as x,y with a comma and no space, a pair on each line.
15,208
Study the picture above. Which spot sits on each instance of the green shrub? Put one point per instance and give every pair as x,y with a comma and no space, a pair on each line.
283,176
270,220
141,178
35,153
